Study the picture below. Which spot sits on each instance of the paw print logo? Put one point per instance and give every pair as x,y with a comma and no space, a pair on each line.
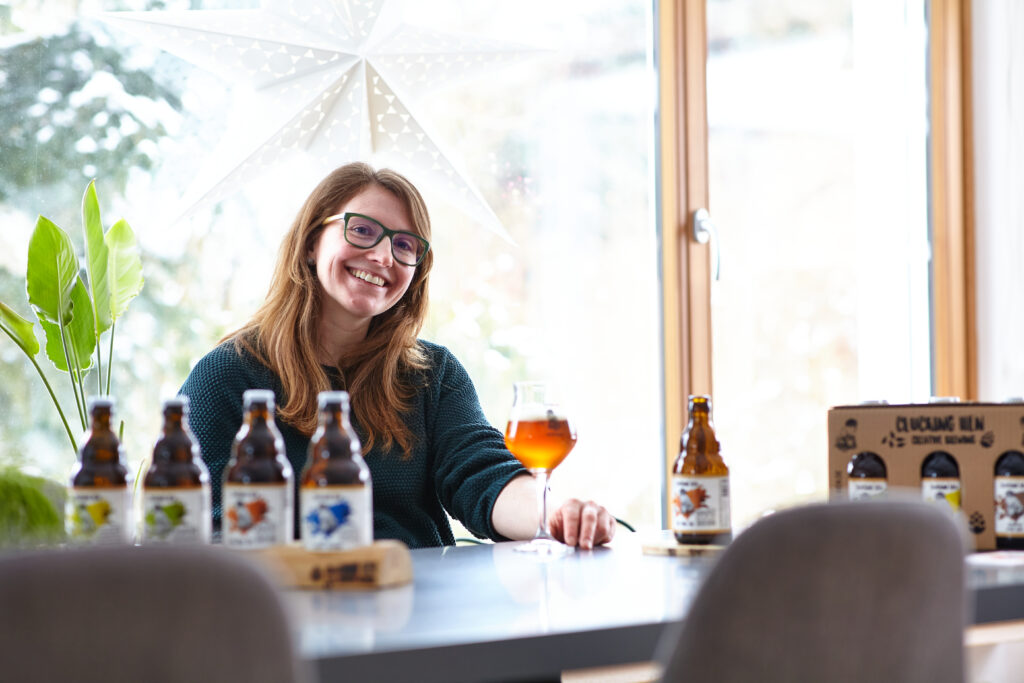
976,522
893,441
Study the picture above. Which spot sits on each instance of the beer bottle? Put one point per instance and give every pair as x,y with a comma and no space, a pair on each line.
335,494
1009,490
176,488
99,506
700,481
258,494
940,478
867,475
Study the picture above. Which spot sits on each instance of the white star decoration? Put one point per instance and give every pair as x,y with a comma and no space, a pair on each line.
326,77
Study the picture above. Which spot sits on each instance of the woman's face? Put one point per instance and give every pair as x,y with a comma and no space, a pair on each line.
361,283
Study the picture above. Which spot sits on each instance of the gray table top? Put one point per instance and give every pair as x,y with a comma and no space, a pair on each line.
471,607
486,612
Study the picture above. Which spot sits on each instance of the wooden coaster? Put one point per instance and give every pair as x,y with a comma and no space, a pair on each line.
669,546
381,565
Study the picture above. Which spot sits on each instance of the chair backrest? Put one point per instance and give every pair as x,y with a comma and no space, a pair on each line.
154,614
842,592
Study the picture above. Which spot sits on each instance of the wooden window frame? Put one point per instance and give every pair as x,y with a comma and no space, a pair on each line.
683,188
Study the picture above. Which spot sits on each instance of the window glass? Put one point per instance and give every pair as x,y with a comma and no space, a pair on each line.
817,116
555,141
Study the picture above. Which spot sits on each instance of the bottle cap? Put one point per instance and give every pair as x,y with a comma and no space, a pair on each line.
258,396
179,402
102,402
332,398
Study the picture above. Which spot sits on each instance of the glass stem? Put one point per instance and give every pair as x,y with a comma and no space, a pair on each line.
542,502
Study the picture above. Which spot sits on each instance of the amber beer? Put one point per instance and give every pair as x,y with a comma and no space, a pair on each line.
940,479
258,495
700,481
176,488
98,508
1009,501
867,476
335,495
540,442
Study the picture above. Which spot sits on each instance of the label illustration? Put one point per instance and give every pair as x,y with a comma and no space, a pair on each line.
257,515
942,490
860,489
700,504
1009,506
178,515
336,517
99,516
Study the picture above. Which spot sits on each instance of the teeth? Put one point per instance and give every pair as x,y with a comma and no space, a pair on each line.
368,277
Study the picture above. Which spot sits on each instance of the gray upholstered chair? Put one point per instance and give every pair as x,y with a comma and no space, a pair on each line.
838,593
141,614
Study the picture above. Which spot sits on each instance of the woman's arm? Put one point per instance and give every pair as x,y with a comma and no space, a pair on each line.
516,515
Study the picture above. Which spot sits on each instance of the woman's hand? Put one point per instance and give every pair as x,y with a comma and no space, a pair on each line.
585,524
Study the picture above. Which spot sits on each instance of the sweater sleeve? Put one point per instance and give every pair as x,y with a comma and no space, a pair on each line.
214,388
472,465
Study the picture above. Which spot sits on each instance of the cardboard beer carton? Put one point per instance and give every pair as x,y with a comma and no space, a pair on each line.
975,434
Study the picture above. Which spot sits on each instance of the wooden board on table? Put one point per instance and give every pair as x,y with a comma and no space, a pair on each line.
669,546
380,565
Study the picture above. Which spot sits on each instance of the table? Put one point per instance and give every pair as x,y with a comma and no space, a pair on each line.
488,613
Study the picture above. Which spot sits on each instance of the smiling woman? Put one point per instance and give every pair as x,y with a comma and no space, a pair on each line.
345,317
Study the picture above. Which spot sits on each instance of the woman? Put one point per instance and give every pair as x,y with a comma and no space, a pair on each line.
347,299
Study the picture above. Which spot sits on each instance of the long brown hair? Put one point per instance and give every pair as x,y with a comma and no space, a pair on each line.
380,372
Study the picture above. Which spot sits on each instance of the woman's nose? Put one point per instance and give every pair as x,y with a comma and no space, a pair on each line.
381,252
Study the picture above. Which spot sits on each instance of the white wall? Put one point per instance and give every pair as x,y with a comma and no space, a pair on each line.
998,74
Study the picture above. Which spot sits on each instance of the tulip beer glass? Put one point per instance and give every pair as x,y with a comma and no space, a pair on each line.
540,435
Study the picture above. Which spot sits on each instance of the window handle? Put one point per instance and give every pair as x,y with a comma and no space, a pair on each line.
705,232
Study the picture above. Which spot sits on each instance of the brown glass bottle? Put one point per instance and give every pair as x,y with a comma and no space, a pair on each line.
99,498
867,475
1009,500
258,495
176,488
335,495
700,481
940,479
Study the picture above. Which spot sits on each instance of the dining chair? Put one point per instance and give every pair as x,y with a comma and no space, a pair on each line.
154,614
847,592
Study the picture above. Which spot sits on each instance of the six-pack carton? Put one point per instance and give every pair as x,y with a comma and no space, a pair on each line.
975,434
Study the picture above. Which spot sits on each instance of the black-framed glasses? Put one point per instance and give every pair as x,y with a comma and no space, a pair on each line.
364,232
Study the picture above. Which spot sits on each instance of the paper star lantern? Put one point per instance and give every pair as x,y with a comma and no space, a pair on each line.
327,77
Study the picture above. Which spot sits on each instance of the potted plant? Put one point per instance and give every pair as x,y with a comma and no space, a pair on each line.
76,303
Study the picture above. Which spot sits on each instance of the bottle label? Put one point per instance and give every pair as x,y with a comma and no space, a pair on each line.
700,504
257,515
945,490
176,515
861,489
336,517
1009,506
99,516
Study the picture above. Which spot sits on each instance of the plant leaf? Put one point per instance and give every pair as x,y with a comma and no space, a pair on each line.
124,268
79,331
20,329
52,271
96,260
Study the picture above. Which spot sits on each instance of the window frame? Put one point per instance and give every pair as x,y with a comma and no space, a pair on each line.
683,188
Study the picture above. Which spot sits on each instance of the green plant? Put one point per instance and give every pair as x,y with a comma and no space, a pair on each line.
76,308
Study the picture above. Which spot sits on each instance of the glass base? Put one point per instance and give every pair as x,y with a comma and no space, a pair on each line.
546,547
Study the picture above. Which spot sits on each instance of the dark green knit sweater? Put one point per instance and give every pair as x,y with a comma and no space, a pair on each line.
459,462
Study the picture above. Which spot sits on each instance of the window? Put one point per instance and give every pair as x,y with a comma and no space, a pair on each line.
558,139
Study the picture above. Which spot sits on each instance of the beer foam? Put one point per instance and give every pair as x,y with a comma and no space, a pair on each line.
532,413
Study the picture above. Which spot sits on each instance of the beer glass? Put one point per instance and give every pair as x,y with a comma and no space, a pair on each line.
540,435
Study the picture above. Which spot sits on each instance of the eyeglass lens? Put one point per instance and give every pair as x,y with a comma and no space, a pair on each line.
365,233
